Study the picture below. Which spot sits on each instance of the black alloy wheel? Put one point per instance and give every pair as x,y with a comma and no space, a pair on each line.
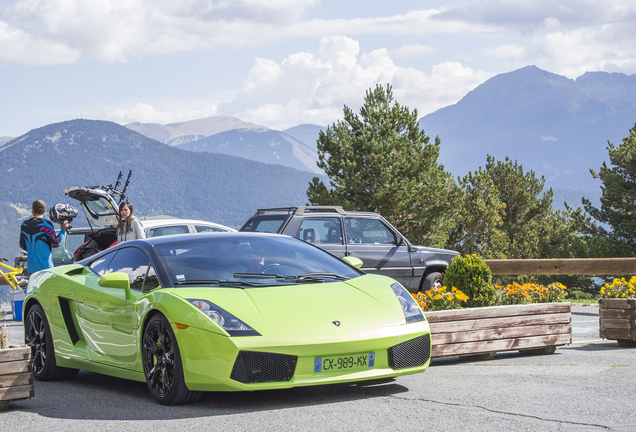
162,364
37,335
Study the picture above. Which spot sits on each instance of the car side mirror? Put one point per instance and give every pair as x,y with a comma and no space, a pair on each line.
115,280
351,260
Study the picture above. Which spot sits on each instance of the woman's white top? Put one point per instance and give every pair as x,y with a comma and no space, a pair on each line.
135,232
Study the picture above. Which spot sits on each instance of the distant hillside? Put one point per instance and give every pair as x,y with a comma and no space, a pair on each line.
259,145
553,125
306,134
184,132
165,180
232,136
4,140
573,198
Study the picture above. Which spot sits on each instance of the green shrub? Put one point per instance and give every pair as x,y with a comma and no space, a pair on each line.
471,275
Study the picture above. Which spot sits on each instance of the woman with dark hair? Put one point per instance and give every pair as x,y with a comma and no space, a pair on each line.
128,227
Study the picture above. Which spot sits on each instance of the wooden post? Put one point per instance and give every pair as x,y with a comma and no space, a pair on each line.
563,266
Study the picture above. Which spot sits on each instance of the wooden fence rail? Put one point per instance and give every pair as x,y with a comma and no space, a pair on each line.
563,266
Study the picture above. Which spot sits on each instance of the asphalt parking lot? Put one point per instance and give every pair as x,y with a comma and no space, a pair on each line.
586,386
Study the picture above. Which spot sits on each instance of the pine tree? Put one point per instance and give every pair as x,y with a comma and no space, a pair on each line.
381,161
618,199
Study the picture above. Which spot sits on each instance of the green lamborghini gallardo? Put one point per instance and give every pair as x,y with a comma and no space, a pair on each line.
222,312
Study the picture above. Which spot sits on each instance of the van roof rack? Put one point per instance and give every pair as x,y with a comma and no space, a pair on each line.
302,210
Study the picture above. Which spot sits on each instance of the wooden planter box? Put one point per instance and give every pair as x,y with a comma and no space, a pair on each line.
617,320
16,378
537,328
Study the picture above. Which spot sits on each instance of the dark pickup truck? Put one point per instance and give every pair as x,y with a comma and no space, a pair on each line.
364,235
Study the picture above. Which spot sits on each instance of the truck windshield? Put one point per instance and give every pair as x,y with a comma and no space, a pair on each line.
268,225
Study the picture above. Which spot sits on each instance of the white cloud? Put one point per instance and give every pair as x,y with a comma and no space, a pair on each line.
412,50
146,113
19,47
116,30
313,87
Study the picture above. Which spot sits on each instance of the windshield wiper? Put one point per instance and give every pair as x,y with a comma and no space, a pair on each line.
321,275
216,282
304,277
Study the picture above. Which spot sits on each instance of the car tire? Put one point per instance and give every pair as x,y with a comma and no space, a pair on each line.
37,335
163,368
431,279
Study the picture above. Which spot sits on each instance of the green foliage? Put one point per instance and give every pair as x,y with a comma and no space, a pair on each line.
381,161
478,223
504,213
618,201
471,275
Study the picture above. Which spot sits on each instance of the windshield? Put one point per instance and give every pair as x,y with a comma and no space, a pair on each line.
269,225
248,261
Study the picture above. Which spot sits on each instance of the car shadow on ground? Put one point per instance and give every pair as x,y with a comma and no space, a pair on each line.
92,396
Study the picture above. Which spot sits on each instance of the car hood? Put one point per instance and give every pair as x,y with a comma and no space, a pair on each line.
364,302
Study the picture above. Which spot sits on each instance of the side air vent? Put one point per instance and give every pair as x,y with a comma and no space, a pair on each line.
409,354
75,272
65,307
260,367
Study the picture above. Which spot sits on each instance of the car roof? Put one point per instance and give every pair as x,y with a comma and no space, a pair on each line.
311,210
158,223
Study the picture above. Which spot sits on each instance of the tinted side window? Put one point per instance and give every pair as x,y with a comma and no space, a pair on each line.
100,264
169,230
325,230
205,228
152,282
368,231
134,263
264,225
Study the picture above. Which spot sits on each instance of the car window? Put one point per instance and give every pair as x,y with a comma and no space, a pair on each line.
168,230
100,264
152,282
264,225
101,207
73,241
135,263
223,259
370,231
324,230
207,228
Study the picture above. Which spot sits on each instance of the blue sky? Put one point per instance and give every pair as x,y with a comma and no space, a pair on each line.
281,63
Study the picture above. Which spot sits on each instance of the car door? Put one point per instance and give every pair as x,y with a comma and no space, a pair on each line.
379,248
324,232
108,320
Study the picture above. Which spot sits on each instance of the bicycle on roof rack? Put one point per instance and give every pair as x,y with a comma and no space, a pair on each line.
112,190
12,276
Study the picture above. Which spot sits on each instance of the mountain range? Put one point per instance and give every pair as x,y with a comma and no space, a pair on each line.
214,168
555,126
232,136
165,180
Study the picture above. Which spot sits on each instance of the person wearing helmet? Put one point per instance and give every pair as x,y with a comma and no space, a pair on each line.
128,227
38,237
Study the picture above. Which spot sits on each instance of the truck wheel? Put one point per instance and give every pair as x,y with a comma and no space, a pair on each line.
431,280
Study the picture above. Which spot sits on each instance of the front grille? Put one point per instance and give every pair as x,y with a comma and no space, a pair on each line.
412,353
261,367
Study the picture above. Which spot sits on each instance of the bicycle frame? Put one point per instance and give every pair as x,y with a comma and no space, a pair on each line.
9,277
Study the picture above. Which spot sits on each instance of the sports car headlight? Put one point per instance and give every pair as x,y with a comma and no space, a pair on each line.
412,311
227,321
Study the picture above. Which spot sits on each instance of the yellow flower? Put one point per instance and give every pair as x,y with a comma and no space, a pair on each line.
437,297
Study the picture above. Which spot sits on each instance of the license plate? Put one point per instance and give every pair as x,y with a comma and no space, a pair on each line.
346,362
